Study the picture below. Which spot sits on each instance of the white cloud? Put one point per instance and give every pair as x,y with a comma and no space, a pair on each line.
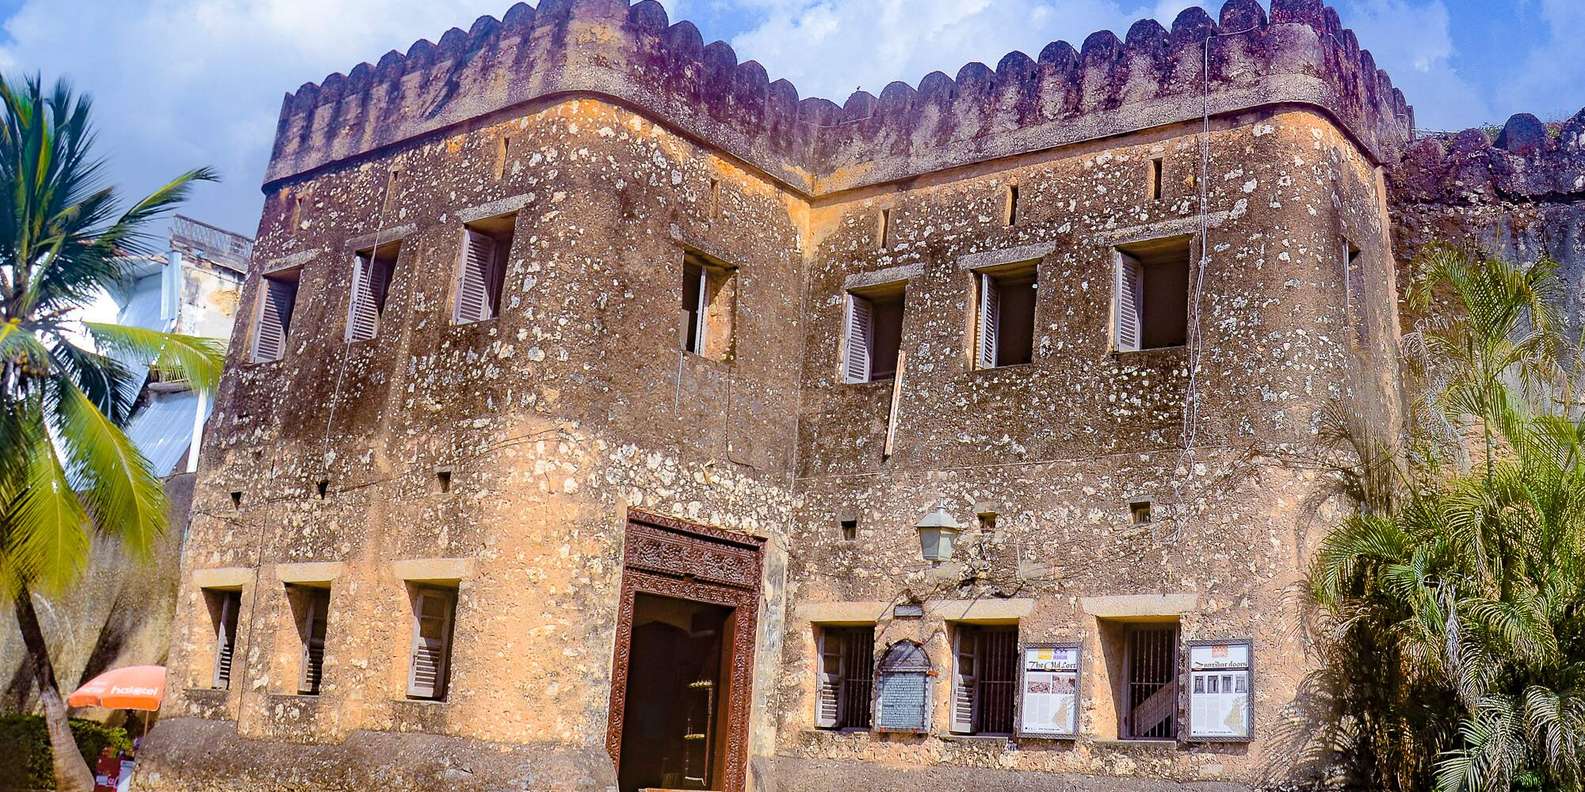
831,47
182,83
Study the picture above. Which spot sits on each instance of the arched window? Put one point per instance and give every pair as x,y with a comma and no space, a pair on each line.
902,695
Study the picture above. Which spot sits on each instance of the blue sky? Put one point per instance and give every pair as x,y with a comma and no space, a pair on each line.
180,83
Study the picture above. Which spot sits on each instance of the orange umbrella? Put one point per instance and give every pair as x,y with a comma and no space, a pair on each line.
133,687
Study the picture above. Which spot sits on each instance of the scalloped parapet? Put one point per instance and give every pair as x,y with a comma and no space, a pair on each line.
1526,163
1300,55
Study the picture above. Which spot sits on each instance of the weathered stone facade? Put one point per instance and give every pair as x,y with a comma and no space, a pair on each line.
521,459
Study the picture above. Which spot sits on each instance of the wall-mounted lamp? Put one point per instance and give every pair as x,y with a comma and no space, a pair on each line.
938,532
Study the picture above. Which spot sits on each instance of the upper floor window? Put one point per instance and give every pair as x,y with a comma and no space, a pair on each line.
707,297
371,282
1151,289
277,300
481,269
874,333
1005,328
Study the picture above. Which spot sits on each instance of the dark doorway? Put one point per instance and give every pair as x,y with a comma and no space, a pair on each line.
1150,688
674,694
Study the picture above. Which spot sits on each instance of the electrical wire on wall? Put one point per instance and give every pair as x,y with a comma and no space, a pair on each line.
1194,341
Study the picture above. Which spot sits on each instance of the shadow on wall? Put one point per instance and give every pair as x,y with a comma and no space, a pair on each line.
119,614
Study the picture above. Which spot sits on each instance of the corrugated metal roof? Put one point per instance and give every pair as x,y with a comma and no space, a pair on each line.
163,429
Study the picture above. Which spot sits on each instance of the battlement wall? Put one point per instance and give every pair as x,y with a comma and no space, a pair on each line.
1301,54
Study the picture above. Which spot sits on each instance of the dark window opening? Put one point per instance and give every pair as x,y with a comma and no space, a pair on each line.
503,154
987,522
1139,512
874,334
707,306
986,684
372,269
1156,168
1150,683
481,268
277,302
847,666
1152,294
1011,215
393,187
1354,287
850,530
1006,326
236,500
443,480
883,228
225,607
323,487
311,612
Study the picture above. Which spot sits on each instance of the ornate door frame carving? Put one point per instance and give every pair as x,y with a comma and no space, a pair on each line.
669,557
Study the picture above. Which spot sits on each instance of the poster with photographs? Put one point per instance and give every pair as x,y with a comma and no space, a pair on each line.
1050,691
1219,679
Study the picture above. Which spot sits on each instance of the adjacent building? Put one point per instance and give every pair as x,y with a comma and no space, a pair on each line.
605,416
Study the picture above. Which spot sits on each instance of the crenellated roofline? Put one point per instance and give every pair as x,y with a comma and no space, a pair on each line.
1300,55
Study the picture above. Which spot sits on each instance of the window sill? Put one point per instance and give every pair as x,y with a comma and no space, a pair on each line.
1009,367
1174,349
1006,738
1143,745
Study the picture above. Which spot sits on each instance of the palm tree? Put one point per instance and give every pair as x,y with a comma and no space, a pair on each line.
1455,613
68,473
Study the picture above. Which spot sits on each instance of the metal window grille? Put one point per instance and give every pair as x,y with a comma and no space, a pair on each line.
858,669
1151,691
997,653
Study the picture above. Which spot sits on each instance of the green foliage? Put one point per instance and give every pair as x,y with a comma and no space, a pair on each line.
25,744
1452,610
67,470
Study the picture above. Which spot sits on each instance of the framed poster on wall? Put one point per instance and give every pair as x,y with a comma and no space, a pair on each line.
1048,687
1221,690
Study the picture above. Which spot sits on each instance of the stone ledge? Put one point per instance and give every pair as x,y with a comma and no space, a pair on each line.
222,577
196,755
1139,605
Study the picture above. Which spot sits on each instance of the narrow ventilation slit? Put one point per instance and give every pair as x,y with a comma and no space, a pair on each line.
1155,178
323,487
850,530
236,500
1011,214
443,480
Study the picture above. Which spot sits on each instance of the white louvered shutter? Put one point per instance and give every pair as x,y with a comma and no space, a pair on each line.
432,611
701,320
1130,291
860,339
275,316
363,316
475,269
828,706
990,320
225,638
313,632
964,682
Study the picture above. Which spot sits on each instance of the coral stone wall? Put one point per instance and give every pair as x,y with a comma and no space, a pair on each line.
1059,448
552,420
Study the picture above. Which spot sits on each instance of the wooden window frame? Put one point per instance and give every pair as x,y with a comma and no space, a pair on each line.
843,719
858,347
311,600
989,285
224,666
499,233
373,271
1130,279
269,283
974,691
442,688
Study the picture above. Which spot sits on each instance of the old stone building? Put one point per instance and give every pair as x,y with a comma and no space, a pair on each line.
605,416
